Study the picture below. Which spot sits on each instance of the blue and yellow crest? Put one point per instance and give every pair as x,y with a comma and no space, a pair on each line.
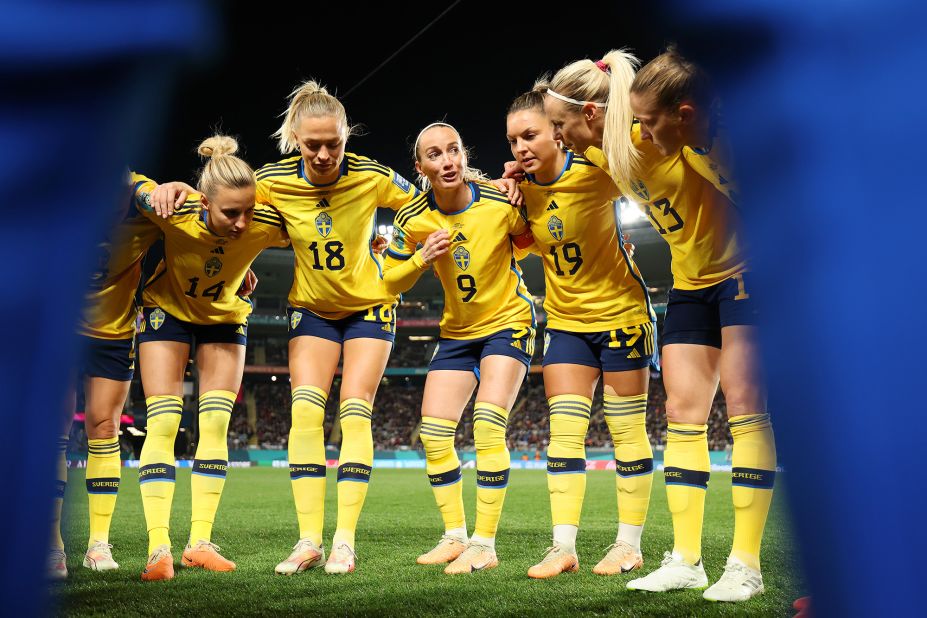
295,318
212,267
399,238
323,224
555,227
156,318
462,257
640,190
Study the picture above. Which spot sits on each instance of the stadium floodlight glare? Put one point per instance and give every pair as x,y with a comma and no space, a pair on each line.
421,338
134,431
273,378
630,211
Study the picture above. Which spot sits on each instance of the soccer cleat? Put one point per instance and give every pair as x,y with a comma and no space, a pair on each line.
99,557
673,574
739,583
341,560
205,554
306,555
57,565
474,558
620,557
160,565
447,550
557,560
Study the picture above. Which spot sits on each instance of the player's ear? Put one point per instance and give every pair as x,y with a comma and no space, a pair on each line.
418,169
204,201
590,111
686,113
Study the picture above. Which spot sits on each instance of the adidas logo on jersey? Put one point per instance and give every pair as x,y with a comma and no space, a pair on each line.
553,206
218,250
634,354
323,204
459,238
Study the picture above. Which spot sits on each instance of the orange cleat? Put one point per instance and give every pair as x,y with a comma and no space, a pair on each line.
474,558
557,560
447,550
619,558
160,565
205,554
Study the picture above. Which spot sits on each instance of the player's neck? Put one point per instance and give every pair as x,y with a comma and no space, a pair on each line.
454,200
551,169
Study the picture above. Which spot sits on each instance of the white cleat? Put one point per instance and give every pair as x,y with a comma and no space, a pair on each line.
57,565
305,555
341,560
739,583
674,574
99,557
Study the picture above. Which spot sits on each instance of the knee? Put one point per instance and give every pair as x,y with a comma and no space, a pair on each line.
487,435
307,416
742,401
103,429
163,426
437,448
214,423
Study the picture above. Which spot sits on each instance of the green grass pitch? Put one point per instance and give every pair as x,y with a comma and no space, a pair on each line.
256,527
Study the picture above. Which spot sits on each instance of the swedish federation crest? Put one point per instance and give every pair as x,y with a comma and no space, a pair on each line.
156,318
323,224
462,257
640,190
213,266
295,319
555,227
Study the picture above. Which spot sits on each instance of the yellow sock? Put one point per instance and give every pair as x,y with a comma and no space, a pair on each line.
354,466
61,484
156,472
443,468
626,420
211,462
566,457
754,472
307,460
492,466
686,470
104,467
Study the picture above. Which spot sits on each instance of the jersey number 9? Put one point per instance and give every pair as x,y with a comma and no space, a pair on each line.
467,285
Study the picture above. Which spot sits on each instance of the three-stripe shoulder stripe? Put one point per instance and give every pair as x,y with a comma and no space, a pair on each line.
283,168
413,209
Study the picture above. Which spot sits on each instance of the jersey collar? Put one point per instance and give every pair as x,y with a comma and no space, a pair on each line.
342,170
474,197
566,166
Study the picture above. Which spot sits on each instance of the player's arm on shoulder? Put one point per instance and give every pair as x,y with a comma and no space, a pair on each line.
510,187
169,196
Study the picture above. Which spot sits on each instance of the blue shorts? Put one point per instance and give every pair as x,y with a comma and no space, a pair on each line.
378,322
113,359
697,316
622,349
466,354
158,325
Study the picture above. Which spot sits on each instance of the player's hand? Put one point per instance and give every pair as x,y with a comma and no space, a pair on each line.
628,245
435,246
513,169
379,244
249,284
509,186
169,196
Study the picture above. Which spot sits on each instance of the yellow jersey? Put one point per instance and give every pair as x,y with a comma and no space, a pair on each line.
592,284
692,213
199,277
109,310
331,227
484,291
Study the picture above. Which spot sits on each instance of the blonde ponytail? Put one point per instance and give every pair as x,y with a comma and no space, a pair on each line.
222,169
309,100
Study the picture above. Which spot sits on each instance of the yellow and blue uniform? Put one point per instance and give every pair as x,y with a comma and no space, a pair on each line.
487,309
194,290
107,326
598,309
688,199
337,292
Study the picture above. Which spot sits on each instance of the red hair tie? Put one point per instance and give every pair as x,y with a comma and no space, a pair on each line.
603,66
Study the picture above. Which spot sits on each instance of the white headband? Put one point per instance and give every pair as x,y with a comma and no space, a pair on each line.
557,95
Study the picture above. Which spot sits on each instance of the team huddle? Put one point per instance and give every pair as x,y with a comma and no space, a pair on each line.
593,132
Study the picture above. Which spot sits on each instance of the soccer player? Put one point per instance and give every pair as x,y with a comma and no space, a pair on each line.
669,161
108,340
192,297
599,320
487,333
